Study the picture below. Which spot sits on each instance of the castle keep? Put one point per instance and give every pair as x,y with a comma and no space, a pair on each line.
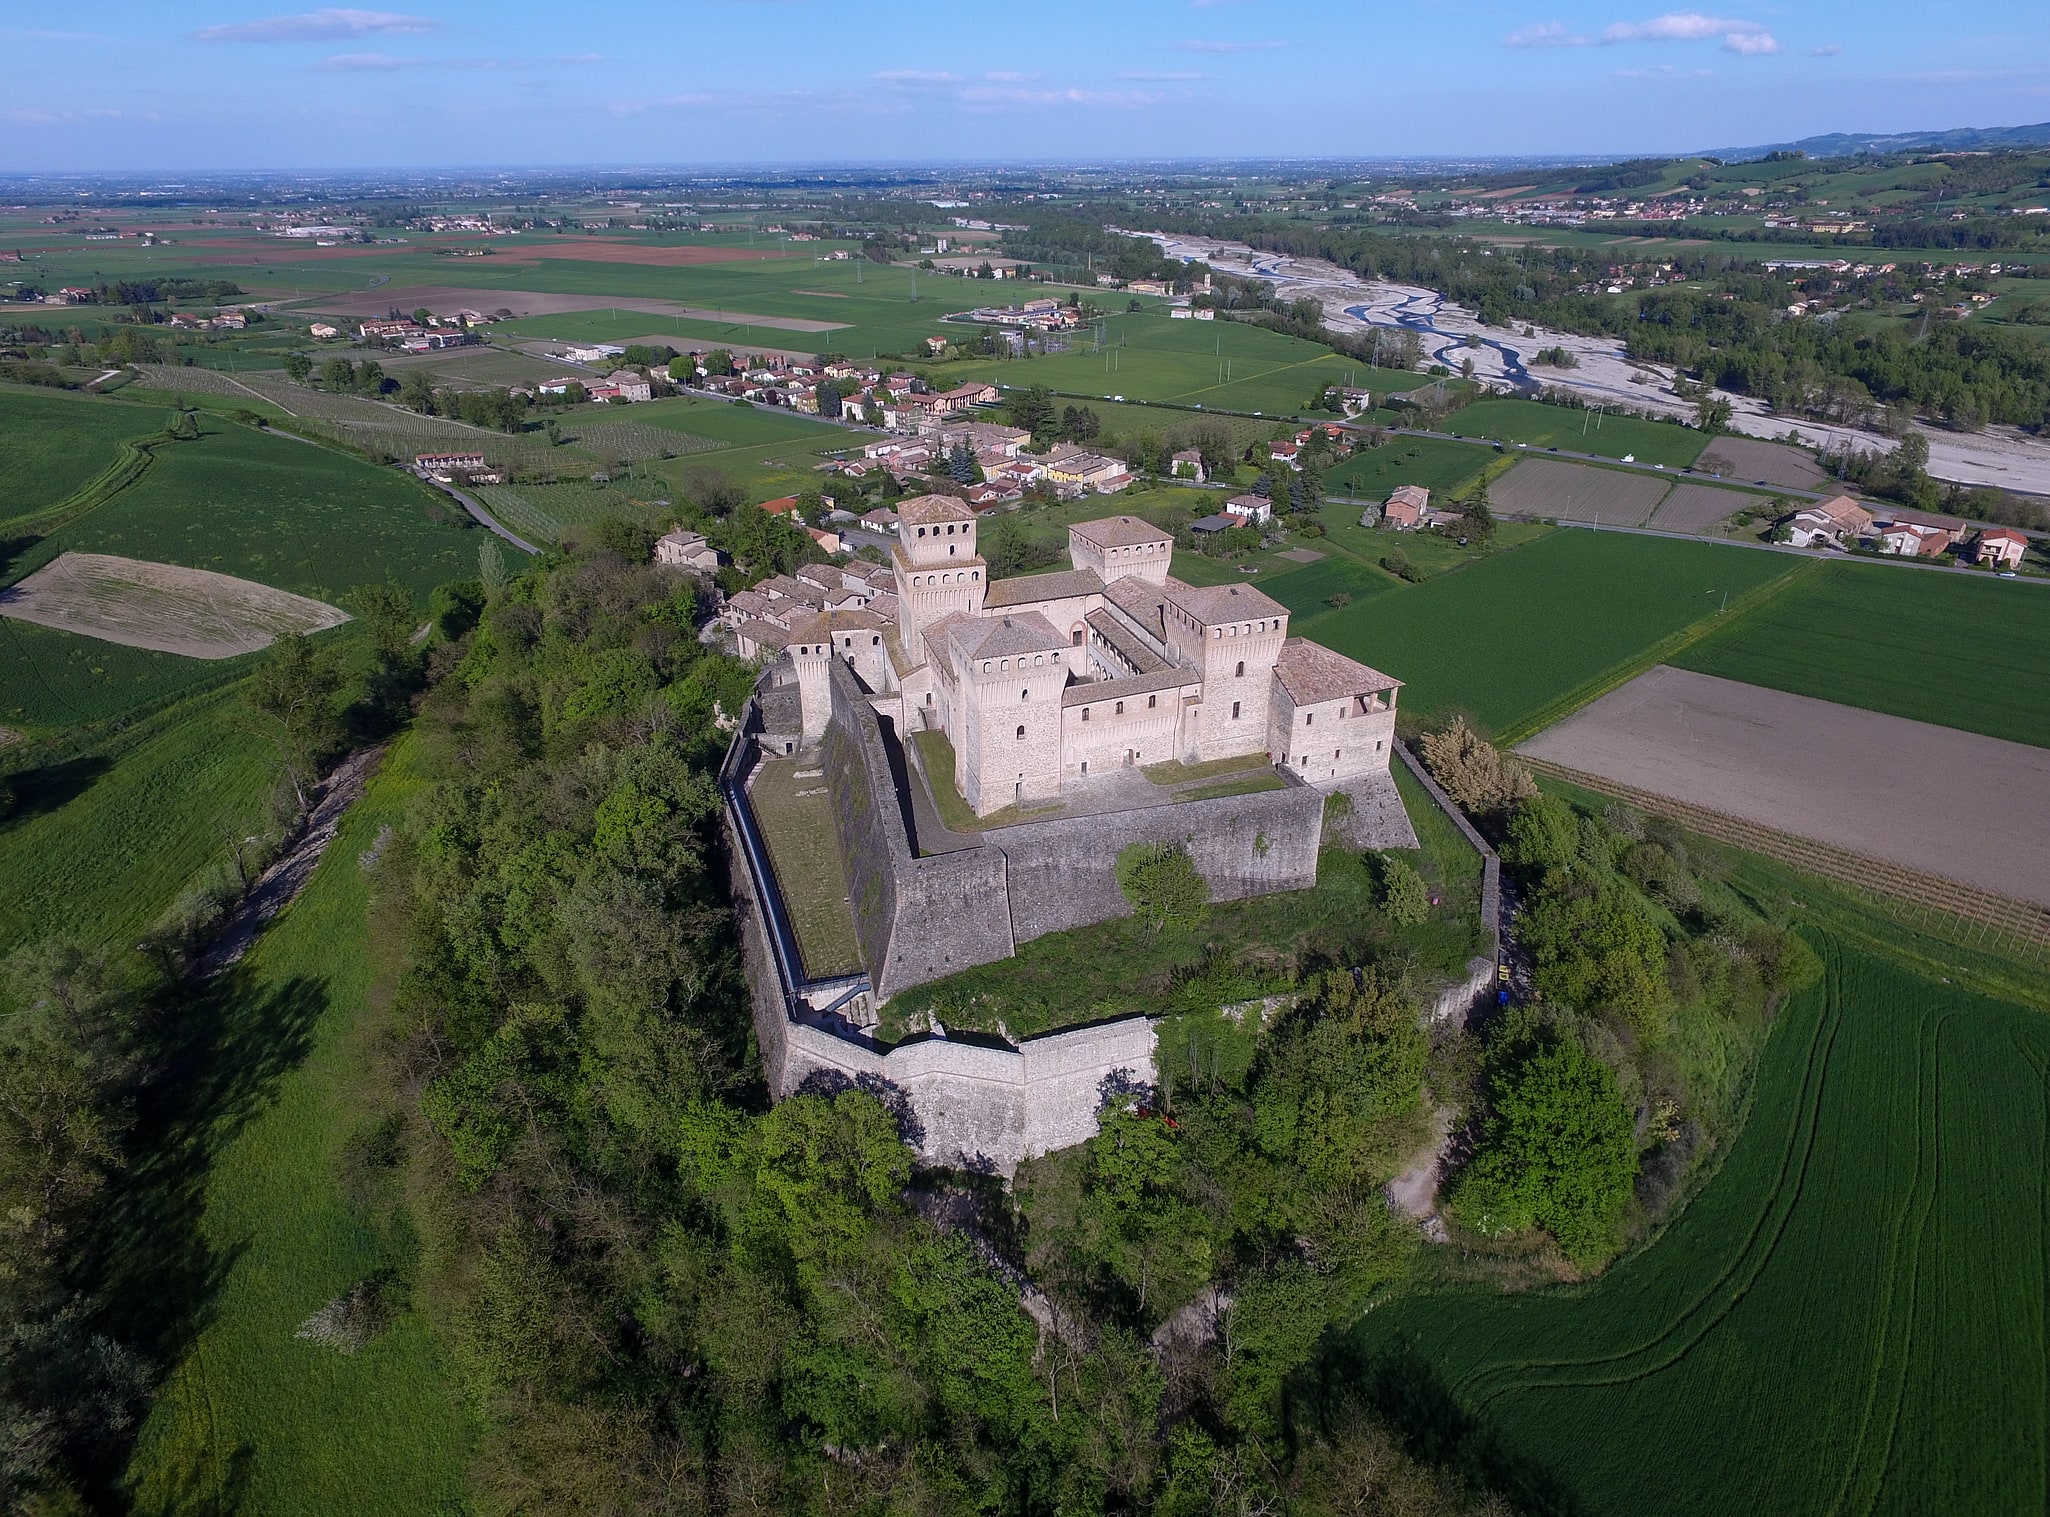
1058,696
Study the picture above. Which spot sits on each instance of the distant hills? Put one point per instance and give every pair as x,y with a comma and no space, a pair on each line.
1849,144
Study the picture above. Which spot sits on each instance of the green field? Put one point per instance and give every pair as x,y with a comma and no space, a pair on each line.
250,1419
1543,426
58,679
1960,650
1444,468
1850,1317
738,426
106,836
280,511
1223,365
1506,637
53,443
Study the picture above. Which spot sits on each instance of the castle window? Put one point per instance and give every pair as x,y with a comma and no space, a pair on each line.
950,550
1085,713
1024,695
921,531
1234,710
1078,637
1152,701
1309,718
1021,734
876,641
1241,671
1334,755
1121,709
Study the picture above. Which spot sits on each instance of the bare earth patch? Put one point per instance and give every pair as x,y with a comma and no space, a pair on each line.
162,607
1950,803
522,303
1692,507
1578,492
1749,459
1301,555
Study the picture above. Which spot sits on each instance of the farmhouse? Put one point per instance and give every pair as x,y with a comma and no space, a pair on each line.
2000,548
1187,464
446,466
1908,539
1832,523
686,550
1405,507
1250,510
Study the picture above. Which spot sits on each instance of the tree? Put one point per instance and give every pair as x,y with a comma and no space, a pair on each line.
1712,413
1473,773
338,374
1403,896
294,690
386,612
417,392
1557,1151
298,366
1161,882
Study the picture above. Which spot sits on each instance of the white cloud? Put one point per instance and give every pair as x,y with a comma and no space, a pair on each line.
911,77
1545,34
1747,38
1826,50
1231,47
316,26
1164,76
358,63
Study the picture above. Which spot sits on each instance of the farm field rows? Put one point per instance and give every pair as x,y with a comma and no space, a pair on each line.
279,511
546,512
1565,491
1505,637
1959,650
1444,468
1849,1317
1695,507
1544,426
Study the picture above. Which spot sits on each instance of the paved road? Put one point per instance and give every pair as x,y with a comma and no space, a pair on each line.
485,518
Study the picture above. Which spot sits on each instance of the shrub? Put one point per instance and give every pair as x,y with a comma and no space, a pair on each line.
1472,772
1161,882
1403,896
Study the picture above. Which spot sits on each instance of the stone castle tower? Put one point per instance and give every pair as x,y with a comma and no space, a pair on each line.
937,568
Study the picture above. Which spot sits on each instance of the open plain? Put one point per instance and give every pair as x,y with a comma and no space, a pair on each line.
1951,803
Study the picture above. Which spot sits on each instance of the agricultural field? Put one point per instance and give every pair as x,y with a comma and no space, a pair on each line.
1444,468
52,444
731,425
1544,426
248,1417
161,606
1779,760
1966,651
1511,636
1848,1317
51,679
544,513
280,511
1694,507
1755,461
1563,491
1220,365
105,836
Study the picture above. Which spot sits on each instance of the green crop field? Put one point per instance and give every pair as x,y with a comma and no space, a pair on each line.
1849,1317
1543,426
1224,365
1960,650
105,837
249,1418
723,422
279,511
1509,635
53,443
1444,468
58,679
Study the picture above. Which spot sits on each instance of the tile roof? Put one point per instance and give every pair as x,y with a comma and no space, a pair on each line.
1143,602
820,628
1311,672
1142,659
1004,636
1211,605
1030,589
923,510
1409,495
1119,532
1166,677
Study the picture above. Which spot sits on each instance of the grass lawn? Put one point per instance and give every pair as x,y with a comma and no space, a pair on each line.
795,810
1444,468
1543,426
105,836
1849,1316
53,443
281,512
1510,636
741,425
249,1418
1121,967
1959,650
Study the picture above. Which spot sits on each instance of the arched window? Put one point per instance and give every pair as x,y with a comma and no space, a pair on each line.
1021,734
1241,670
1152,701
921,531
1121,709
1085,713
1024,695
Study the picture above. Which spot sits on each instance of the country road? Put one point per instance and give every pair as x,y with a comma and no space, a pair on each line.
2002,456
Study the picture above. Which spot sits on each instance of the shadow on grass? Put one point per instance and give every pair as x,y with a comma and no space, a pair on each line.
1403,1391
52,786
216,1057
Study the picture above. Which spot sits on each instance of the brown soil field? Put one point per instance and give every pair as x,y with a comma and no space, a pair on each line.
1577,492
591,250
1695,508
373,304
161,606
1929,798
1750,459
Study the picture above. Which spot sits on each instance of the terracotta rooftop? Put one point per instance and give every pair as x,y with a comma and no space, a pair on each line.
1409,495
1030,589
1311,672
924,510
1119,532
1002,636
1214,604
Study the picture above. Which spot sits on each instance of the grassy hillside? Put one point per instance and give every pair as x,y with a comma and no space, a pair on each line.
1962,651
251,1419
280,511
52,443
52,679
1510,635
1848,1318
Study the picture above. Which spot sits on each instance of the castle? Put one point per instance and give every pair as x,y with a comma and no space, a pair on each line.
1041,680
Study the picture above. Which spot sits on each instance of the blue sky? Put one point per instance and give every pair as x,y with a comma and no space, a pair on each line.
225,84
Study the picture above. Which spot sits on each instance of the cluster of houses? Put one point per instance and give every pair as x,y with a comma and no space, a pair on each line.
1044,315
1288,452
411,337
900,402
620,387
1841,522
1008,471
451,468
1239,511
761,618
226,321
